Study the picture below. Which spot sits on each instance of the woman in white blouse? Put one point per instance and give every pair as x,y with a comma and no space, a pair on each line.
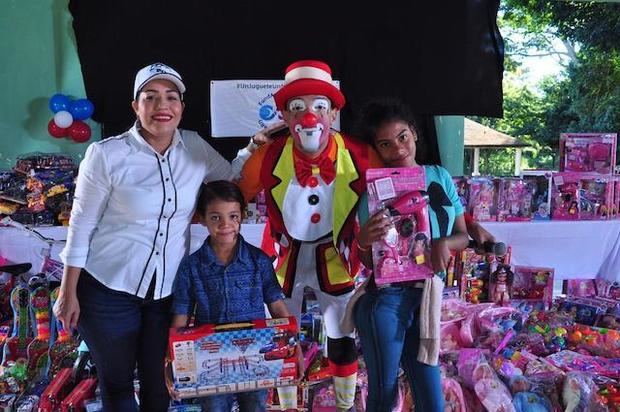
128,232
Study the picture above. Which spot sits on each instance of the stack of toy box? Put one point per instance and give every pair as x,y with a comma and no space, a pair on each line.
584,187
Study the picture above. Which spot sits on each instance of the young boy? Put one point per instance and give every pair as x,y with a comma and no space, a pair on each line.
227,279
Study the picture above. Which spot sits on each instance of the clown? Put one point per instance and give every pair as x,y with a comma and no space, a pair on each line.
313,180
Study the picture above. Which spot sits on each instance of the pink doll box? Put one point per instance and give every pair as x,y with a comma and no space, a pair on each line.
588,152
565,195
404,254
539,184
596,197
462,189
514,200
482,199
533,283
579,288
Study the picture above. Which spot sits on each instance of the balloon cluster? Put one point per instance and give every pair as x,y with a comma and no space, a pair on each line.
68,118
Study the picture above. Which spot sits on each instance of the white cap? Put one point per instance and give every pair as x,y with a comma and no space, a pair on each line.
157,71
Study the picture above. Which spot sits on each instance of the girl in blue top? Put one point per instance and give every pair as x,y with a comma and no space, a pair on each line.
388,318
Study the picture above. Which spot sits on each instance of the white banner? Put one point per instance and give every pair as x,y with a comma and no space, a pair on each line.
243,107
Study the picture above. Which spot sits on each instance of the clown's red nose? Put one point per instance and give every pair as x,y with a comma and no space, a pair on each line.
309,120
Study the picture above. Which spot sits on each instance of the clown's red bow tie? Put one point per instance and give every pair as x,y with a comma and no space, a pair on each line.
304,166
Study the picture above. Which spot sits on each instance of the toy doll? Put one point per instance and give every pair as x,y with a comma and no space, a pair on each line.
502,278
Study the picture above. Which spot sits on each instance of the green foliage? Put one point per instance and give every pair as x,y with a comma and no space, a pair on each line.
585,99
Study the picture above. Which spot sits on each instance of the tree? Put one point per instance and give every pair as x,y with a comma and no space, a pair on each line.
585,98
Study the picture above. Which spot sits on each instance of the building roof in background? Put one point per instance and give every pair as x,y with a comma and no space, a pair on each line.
480,136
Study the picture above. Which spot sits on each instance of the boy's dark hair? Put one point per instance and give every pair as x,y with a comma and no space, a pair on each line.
218,190
378,112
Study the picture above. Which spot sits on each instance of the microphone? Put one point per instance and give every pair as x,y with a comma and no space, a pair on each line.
497,248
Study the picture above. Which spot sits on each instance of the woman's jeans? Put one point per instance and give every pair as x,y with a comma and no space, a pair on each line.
121,330
387,323
254,401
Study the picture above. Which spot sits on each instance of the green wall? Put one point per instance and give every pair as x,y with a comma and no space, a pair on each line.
450,139
39,59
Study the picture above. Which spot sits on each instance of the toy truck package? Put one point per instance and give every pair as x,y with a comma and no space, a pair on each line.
237,357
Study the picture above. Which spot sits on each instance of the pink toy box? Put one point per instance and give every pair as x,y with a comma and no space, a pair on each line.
539,184
482,199
533,284
404,254
514,200
565,196
596,197
588,152
236,357
462,189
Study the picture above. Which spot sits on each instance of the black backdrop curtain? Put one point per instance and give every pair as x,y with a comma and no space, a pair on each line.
441,57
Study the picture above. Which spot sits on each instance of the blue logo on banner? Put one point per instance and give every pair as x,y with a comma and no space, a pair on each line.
266,112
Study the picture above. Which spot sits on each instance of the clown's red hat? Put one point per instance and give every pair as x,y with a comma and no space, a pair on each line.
306,77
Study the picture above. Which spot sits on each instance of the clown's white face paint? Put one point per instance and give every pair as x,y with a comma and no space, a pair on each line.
310,119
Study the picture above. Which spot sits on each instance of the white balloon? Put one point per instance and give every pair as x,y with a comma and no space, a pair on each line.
63,119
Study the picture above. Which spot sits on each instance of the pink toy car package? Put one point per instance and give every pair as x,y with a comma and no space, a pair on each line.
482,199
404,254
514,200
588,152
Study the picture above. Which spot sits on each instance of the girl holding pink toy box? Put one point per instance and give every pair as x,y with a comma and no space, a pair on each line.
399,322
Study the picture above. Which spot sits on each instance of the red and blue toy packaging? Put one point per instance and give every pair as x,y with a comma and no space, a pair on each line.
404,254
237,357
588,152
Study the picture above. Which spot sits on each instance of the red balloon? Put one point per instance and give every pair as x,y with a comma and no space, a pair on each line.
56,131
79,131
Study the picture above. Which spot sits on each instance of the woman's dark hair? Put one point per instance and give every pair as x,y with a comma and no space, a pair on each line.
378,112
218,190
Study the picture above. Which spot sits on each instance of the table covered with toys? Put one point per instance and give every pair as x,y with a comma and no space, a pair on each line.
533,328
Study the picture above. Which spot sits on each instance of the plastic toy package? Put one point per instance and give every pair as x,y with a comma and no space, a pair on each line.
539,186
462,189
596,197
565,196
37,161
579,287
236,357
533,284
404,254
572,361
482,199
514,200
588,152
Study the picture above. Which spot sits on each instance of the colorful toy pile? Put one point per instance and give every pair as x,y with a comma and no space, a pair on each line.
38,356
39,189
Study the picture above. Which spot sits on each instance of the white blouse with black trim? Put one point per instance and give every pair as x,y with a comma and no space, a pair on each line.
132,209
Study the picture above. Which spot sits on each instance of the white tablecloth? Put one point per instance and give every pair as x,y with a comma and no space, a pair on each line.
580,249
19,246
577,249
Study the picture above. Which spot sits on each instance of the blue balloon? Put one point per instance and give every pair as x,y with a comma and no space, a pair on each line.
81,109
59,102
